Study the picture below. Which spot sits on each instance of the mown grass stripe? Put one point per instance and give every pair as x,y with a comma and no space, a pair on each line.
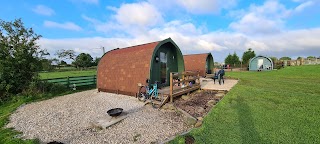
280,106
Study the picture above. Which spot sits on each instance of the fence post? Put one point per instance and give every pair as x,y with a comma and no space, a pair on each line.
94,79
198,75
68,82
171,88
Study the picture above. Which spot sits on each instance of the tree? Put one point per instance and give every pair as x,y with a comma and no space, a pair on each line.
83,60
247,55
19,57
285,58
63,63
299,58
311,57
66,54
46,65
96,61
235,59
55,62
228,59
232,59
274,59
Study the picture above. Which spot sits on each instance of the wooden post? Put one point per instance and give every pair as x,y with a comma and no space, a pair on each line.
94,79
182,76
68,82
198,77
171,88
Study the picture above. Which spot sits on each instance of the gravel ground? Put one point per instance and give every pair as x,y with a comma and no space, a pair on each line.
69,118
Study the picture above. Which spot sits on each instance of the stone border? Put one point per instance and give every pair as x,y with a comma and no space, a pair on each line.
192,121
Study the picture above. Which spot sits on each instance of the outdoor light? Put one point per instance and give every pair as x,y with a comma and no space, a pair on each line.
157,59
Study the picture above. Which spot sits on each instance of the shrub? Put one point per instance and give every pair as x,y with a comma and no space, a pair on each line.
39,87
19,57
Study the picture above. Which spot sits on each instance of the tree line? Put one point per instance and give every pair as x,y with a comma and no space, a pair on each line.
83,60
21,59
234,60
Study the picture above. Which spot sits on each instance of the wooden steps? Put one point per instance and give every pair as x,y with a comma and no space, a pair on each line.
160,103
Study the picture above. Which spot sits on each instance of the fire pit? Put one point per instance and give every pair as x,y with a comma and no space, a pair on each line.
114,112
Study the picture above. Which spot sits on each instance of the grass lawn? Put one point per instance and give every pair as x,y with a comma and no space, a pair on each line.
48,75
7,135
280,106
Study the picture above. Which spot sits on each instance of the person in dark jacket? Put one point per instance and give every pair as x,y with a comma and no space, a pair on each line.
220,76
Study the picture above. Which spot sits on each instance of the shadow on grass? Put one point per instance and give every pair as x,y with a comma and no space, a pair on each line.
249,134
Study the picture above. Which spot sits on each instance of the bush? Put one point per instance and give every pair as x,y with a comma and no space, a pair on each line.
39,87
277,67
19,57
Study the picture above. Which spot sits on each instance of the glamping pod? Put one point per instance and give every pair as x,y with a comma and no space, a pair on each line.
260,63
120,70
199,62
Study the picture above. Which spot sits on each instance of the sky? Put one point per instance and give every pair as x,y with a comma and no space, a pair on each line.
271,27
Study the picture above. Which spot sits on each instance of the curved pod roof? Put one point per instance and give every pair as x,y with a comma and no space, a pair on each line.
197,62
120,70
254,63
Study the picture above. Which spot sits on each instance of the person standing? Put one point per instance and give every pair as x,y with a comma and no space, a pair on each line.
221,74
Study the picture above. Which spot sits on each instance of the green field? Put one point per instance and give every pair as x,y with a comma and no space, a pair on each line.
49,75
280,106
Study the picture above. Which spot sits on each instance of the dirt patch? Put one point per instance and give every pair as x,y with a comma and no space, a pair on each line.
199,103
189,139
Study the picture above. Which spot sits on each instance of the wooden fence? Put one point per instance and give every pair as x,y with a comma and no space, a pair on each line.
74,81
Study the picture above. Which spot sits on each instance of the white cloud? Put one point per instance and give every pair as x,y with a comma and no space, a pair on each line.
140,14
43,10
265,19
260,28
206,6
111,8
87,1
89,19
133,19
253,24
66,25
192,39
304,5
258,46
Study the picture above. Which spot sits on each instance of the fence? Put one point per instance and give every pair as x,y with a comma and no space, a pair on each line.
189,80
74,81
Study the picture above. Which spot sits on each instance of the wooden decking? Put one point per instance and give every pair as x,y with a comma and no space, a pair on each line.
208,84
186,78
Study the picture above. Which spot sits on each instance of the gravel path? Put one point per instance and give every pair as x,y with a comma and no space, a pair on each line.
69,119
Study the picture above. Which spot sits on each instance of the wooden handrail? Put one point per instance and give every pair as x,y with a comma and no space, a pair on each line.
189,73
185,78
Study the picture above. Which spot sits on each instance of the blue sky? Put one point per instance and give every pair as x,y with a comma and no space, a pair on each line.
272,27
